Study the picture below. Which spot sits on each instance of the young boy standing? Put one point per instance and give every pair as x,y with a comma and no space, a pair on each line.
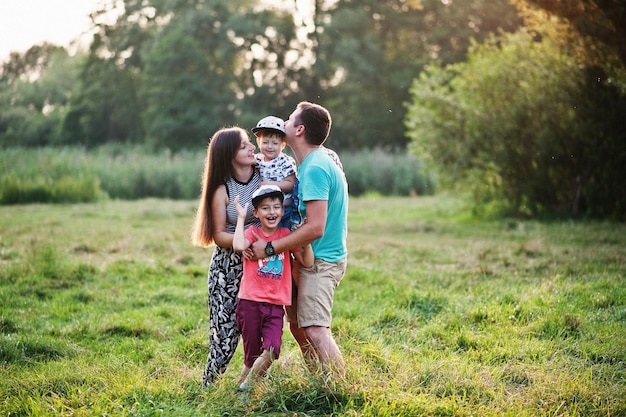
266,283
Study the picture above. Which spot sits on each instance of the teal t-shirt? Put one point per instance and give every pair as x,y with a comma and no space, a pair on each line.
320,178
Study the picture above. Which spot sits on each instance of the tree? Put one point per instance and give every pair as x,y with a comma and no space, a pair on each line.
176,92
29,65
524,127
178,69
601,20
105,108
369,51
182,69
35,89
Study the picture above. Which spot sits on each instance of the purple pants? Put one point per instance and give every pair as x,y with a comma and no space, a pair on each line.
261,327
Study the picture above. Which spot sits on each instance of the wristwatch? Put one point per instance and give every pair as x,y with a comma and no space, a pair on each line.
269,249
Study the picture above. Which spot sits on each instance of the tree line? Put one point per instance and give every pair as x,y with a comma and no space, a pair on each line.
168,73
510,99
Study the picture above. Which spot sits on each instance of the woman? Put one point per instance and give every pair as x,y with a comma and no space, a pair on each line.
229,170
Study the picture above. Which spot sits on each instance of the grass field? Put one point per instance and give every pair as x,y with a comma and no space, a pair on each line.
103,312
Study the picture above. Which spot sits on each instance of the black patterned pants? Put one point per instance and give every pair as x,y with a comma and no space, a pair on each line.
225,275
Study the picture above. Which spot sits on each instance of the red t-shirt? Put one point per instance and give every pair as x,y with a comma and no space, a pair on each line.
267,280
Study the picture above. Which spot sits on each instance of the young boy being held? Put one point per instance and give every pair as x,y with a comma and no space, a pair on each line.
266,284
277,168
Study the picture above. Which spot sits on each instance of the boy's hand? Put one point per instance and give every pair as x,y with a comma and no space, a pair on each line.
297,226
241,211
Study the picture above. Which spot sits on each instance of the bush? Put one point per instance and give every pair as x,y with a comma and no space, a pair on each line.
387,173
131,172
526,128
66,189
71,175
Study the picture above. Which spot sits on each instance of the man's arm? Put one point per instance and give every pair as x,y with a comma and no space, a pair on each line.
310,230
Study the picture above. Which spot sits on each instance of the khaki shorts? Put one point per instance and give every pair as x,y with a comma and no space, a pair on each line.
313,297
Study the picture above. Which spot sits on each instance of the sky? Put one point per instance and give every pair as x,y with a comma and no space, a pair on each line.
24,23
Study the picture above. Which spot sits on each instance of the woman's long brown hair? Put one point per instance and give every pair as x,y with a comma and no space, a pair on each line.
218,168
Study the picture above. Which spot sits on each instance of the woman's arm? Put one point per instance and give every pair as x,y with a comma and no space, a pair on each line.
218,204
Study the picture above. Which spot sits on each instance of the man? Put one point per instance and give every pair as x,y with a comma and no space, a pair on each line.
323,199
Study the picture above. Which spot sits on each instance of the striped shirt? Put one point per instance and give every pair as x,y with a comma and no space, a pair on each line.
244,191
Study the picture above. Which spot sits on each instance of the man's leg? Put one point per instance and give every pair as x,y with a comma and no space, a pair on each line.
305,345
315,303
326,349
291,312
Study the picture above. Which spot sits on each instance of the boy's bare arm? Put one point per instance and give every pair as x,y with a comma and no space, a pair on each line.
286,185
240,243
305,257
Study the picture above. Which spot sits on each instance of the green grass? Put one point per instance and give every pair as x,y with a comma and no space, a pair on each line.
103,312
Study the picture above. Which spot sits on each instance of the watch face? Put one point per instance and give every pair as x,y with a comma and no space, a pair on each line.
269,249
